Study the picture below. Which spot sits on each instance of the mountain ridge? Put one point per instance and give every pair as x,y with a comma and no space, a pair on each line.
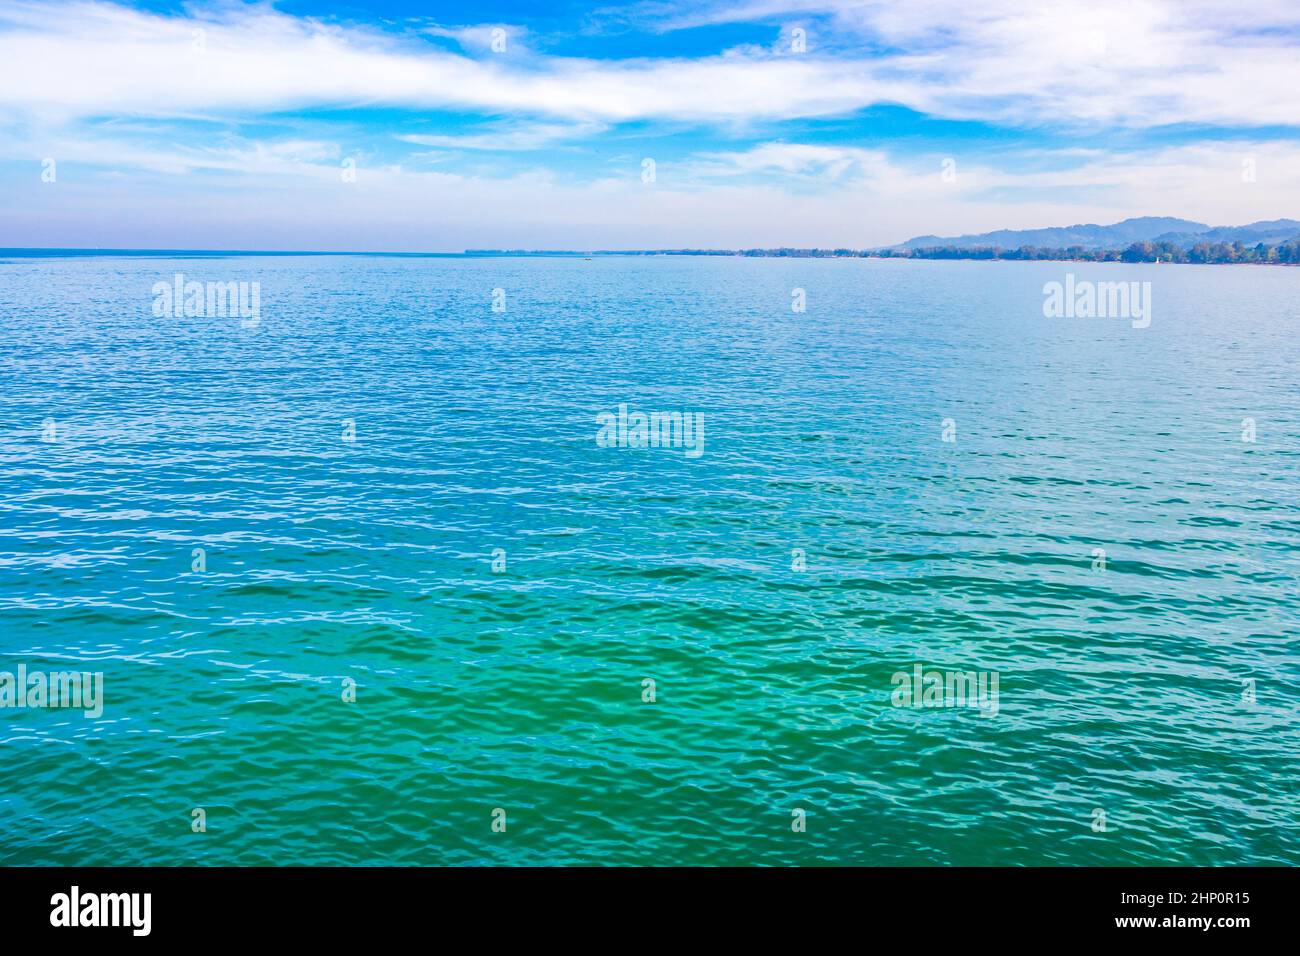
1181,232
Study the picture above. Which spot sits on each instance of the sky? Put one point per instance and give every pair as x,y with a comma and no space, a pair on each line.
433,126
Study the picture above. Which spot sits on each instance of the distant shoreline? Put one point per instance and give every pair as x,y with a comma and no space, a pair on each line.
1218,254
1204,253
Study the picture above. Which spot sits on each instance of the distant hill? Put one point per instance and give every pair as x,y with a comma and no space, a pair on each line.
1145,239
1271,233
1181,232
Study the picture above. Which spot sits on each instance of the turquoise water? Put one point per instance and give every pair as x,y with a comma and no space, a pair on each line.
371,560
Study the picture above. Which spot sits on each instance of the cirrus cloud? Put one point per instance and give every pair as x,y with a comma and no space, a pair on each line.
1129,62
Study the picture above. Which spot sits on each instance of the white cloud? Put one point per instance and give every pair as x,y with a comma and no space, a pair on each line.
797,159
507,137
100,86
481,38
97,59
1200,181
1135,62
773,195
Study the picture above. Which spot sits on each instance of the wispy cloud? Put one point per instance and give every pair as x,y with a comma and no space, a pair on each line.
1051,112
99,59
1133,62
508,137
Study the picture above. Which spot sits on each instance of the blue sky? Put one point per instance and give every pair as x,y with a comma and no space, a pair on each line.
439,126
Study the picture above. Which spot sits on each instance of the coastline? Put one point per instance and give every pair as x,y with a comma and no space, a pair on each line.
973,255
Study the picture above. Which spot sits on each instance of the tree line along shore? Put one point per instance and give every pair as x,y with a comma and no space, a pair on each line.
1286,253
